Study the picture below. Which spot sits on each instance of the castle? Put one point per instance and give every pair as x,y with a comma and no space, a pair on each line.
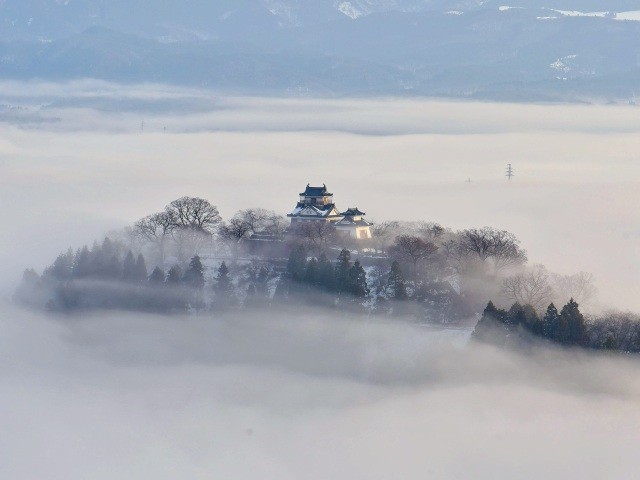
316,205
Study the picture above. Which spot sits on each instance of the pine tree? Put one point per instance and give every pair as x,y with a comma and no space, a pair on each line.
516,316
396,288
358,281
62,268
140,270
551,323
576,327
223,288
532,321
492,326
296,264
157,277
194,275
343,265
311,274
176,299
193,279
81,263
129,268
326,278
174,277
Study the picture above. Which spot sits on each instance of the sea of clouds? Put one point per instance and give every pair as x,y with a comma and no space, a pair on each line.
77,162
317,395
289,396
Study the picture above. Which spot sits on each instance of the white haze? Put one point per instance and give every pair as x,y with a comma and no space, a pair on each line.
289,397
67,175
314,395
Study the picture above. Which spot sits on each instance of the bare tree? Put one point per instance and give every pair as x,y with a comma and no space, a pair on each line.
430,230
233,231
383,234
579,286
317,234
413,249
156,229
194,213
499,246
529,287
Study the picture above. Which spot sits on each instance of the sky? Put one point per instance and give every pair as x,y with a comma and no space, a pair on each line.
78,172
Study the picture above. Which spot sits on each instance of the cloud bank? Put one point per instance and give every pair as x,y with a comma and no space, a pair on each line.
317,396
573,203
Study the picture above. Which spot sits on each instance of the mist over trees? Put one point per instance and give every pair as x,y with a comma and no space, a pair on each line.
187,258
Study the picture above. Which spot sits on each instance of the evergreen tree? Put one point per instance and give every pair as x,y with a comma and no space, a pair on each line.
140,270
516,316
358,281
311,274
396,288
532,321
194,275
575,324
343,266
326,278
176,297
223,288
157,277
296,264
129,268
82,263
62,268
492,326
551,323
193,279
174,277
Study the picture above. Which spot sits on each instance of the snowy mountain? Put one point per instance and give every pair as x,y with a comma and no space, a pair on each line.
522,50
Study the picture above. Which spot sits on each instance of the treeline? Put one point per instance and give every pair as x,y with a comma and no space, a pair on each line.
421,269
567,327
107,276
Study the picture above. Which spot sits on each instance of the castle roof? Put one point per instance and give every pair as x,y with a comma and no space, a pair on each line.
353,212
350,222
303,210
316,191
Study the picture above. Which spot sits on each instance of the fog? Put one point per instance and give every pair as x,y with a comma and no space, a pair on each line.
76,162
314,395
318,396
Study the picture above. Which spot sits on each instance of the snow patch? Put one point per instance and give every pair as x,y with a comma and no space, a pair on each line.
631,16
561,65
576,13
349,10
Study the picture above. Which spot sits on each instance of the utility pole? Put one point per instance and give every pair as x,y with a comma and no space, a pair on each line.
142,126
510,172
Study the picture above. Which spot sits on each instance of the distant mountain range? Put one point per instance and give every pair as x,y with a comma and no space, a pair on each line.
521,50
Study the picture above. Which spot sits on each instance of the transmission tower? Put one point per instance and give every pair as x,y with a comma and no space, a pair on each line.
510,172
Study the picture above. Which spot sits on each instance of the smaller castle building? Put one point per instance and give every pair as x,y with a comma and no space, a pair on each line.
353,224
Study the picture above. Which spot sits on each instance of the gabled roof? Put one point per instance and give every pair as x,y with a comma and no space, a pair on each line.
302,210
316,191
353,211
350,222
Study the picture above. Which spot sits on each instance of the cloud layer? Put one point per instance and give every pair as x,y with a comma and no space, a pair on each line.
573,203
286,397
